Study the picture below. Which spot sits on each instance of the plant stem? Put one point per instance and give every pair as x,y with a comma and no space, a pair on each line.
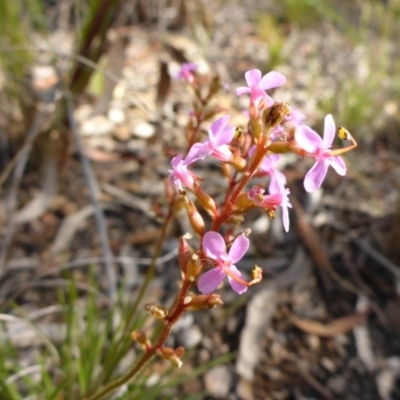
116,353
174,315
257,159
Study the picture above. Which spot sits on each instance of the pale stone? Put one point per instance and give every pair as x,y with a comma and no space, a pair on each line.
116,116
97,125
143,130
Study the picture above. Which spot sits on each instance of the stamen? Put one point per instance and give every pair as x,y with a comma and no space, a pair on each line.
344,134
234,276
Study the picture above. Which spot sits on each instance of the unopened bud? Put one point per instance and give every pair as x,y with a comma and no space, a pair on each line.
173,355
238,162
203,301
205,200
279,147
275,114
196,220
157,311
243,203
140,338
184,254
193,267
255,123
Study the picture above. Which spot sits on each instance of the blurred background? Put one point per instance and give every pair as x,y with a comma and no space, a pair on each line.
90,115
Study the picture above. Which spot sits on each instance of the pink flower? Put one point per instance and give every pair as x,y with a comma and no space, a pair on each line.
269,166
179,174
318,148
185,73
257,85
278,197
219,136
215,248
284,202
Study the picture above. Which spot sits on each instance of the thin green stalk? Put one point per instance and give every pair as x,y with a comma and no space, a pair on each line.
174,315
93,44
121,381
115,354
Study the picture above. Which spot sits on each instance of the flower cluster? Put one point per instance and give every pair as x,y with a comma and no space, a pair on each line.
273,129
254,151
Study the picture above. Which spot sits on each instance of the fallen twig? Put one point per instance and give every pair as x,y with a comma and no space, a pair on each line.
21,160
93,189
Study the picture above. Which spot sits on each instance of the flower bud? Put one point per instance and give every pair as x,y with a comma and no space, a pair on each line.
255,123
238,162
202,301
193,267
173,355
157,311
196,220
205,200
185,253
279,147
275,114
243,203
140,338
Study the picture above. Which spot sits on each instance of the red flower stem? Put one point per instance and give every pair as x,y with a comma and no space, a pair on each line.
255,164
173,316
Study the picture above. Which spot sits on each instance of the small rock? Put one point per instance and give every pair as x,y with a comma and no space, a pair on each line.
190,337
218,381
185,322
100,142
44,77
136,145
119,91
83,112
116,116
143,130
97,125
122,133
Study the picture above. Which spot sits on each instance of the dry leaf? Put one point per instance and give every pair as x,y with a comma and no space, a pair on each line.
338,326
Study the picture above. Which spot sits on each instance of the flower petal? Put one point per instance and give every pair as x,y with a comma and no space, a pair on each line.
222,153
272,80
210,280
218,125
277,183
214,245
329,131
307,139
238,249
338,165
253,77
285,218
197,152
239,288
242,90
224,136
316,175
176,160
